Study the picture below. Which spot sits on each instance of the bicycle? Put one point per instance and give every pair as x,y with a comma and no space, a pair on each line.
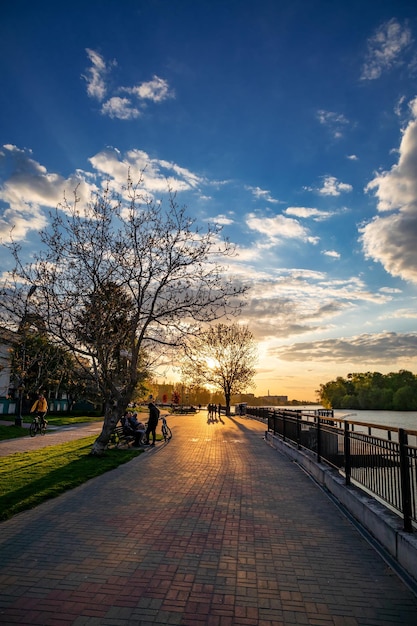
166,431
37,426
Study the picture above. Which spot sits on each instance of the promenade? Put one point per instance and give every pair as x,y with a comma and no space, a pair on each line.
214,528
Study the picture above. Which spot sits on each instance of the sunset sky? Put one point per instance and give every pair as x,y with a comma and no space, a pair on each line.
293,123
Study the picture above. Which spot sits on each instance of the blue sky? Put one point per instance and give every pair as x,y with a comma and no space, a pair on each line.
293,123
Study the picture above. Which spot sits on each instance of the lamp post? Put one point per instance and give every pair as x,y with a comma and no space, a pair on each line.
19,419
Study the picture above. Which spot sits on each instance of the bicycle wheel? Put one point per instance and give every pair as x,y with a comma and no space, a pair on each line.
42,429
33,429
166,431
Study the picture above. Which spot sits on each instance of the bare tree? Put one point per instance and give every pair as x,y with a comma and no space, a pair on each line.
120,278
222,357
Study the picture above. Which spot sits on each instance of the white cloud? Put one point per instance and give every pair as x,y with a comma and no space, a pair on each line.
391,240
96,75
401,314
30,188
335,122
277,227
306,212
331,253
120,108
192,179
155,173
377,348
333,187
156,90
223,220
385,49
352,157
263,194
286,302
398,109
390,290
17,224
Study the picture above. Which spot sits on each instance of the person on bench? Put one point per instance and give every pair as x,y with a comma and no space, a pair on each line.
133,428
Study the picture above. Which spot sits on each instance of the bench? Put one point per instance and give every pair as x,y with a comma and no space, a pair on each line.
119,437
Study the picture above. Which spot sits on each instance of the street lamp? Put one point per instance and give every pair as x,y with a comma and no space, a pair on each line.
18,418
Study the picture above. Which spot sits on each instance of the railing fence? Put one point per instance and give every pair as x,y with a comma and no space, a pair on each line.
386,467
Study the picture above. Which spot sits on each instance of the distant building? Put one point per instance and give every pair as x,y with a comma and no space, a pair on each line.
249,398
7,339
274,400
8,393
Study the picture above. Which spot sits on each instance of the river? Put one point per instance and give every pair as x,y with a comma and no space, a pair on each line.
397,419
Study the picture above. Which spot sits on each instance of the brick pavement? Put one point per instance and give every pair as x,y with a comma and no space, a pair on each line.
214,528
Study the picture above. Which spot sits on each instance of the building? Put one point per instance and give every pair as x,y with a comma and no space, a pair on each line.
274,400
8,393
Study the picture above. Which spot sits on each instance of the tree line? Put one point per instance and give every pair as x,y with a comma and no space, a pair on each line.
396,391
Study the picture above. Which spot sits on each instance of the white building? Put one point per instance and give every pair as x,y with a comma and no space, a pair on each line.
7,339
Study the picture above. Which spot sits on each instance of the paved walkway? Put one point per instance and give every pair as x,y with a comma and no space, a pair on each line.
52,437
214,528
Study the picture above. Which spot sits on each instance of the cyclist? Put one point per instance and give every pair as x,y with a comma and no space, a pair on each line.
40,407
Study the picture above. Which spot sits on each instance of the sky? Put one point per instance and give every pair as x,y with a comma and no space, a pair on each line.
293,123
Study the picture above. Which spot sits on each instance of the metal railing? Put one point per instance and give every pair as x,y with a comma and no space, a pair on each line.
384,466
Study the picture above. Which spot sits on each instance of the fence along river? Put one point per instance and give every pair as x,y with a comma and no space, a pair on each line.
376,457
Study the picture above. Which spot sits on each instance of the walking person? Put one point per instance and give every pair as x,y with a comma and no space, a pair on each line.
153,421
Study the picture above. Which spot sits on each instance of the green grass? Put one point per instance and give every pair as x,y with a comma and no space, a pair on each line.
12,432
64,420
29,478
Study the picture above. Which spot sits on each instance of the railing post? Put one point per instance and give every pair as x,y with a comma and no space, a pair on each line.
298,416
348,466
405,480
318,439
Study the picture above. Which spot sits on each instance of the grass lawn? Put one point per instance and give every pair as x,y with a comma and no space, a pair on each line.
29,478
12,432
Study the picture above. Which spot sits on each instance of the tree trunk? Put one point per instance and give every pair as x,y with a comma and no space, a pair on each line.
111,418
227,398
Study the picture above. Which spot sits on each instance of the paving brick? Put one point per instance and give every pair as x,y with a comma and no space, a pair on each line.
213,529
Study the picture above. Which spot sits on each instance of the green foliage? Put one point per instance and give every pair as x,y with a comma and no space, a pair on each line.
371,391
13,432
29,478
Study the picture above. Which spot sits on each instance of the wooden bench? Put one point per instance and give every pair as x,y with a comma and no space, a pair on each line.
119,437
